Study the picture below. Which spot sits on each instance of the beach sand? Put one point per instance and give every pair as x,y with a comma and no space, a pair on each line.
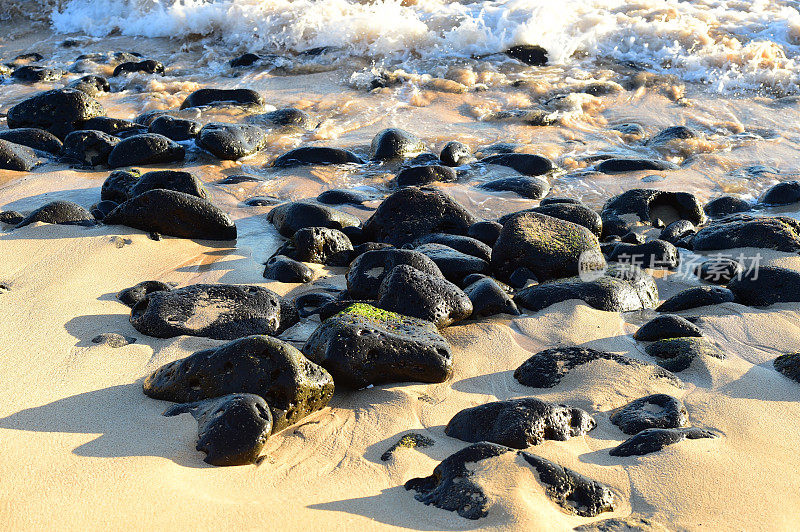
82,448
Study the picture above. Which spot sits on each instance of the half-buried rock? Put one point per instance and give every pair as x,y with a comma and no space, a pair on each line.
411,292
519,423
58,111
292,385
16,157
147,148
620,289
654,411
59,212
232,429
313,155
546,368
667,326
677,354
365,345
549,247
766,286
218,311
454,486
653,440
488,298
175,214
231,141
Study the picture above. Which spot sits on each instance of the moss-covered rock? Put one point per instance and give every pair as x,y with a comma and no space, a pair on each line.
292,385
365,345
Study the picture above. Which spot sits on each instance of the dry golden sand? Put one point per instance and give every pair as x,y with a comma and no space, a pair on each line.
82,448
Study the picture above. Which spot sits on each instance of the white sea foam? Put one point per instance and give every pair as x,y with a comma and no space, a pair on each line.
728,44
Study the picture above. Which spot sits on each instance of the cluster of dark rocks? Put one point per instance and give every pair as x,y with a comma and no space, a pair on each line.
420,263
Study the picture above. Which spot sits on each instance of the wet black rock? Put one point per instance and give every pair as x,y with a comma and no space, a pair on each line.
659,411
239,178
148,66
292,385
412,212
16,157
101,209
424,175
365,345
784,193
113,340
175,128
667,326
92,85
288,218
789,365
677,354
395,143
37,74
653,440
530,54
338,196
677,231
131,296
38,139
211,97
57,111
698,296
651,207
632,238
555,200
310,303
322,246
656,254
719,270
311,155
231,141
671,133
289,117
176,180
546,368
489,299
524,163
219,311
524,186
630,128
780,233
453,264
620,289
486,232
620,166
59,212
519,423
11,217
88,147
175,214
368,270
231,429
147,148
464,244
766,286
287,270
411,292
113,126
452,485
455,153
118,185
549,247
244,60
725,205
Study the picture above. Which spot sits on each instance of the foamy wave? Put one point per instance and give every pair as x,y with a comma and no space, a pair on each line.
729,44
